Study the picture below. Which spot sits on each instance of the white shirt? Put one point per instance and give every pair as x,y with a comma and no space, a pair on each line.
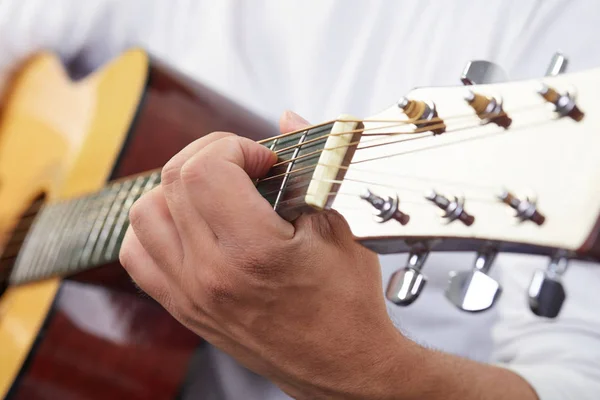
321,58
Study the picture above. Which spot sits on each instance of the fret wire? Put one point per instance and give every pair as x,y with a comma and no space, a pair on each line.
31,245
141,186
72,208
86,225
109,222
70,238
272,147
289,167
48,237
98,224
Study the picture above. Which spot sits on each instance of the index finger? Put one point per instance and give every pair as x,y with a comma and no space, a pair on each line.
218,181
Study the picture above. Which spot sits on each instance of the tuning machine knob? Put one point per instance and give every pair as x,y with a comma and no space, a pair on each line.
481,72
475,290
546,292
558,64
406,284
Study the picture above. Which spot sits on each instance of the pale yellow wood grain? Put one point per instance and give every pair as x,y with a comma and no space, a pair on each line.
60,139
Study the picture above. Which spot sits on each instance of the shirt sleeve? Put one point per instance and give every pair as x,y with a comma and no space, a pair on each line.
559,358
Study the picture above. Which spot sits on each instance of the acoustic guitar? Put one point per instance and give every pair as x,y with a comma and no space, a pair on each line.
91,336
485,167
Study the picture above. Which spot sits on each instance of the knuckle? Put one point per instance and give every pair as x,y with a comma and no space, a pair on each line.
195,170
138,212
171,171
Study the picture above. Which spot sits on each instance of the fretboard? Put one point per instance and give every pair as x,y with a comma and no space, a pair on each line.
77,234
74,235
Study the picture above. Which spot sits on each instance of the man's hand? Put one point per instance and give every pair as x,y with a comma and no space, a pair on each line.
300,303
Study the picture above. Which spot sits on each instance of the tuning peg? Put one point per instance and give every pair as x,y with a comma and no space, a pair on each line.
558,65
481,72
454,209
546,292
475,290
385,209
407,283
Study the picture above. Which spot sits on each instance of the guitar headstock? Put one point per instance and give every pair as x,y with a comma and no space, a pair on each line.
507,166
526,174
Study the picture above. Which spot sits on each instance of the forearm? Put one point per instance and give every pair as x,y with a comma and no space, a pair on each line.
449,377
409,371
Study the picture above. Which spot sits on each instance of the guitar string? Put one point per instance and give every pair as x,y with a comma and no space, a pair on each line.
411,121
422,200
444,182
394,123
426,135
310,127
425,129
422,129
491,199
414,151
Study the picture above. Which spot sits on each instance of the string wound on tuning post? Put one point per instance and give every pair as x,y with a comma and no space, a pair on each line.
564,103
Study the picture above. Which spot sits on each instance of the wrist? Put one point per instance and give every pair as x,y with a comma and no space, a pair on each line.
390,367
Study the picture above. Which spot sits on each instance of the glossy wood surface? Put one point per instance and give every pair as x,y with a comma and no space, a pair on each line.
106,344
109,341
175,112
58,138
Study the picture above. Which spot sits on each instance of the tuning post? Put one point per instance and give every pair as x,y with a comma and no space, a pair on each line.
526,209
487,108
422,112
454,209
546,292
406,284
475,291
385,209
564,104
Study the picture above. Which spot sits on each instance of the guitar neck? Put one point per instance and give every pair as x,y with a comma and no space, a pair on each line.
74,235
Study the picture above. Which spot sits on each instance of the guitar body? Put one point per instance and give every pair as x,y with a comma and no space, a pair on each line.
93,335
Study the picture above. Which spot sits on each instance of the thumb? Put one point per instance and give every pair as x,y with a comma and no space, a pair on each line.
291,121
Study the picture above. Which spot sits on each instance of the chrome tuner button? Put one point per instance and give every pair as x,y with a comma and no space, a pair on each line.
481,72
385,209
546,292
407,283
454,209
558,65
526,209
475,291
